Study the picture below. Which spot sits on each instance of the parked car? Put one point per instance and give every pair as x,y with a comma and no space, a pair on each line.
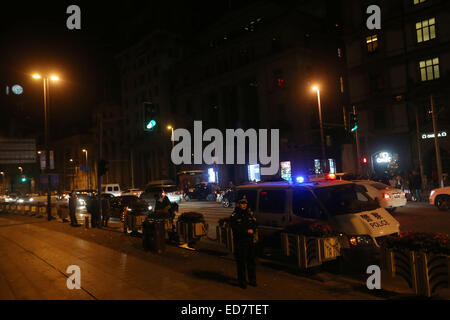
25,199
119,204
12,197
154,188
202,191
440,198
133,216
132,192
112,188
83,196
344,205
388,197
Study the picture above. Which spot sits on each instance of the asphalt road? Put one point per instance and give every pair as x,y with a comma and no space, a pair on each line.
413,217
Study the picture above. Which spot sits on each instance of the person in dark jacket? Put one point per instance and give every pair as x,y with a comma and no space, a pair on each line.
162,202
73,209
106,211
92,208
243,225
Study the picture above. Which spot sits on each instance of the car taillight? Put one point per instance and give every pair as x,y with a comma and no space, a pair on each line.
386,195
331,176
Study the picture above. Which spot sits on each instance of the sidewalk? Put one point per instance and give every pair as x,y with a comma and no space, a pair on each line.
117,267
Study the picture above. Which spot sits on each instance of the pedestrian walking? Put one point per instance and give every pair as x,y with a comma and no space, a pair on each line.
416,186
73,209
243,225
106,211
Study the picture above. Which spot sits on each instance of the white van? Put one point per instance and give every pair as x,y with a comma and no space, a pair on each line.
112,188
344,205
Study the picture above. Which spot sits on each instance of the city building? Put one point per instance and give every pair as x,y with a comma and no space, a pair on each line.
392,74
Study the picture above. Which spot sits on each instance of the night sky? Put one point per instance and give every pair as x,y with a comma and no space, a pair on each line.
34,38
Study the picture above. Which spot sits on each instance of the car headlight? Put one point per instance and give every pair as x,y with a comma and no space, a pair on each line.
150,207
31,200
360,241
128,209
20,201
432,192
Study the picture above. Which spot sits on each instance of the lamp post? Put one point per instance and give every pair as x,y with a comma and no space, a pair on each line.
3,181
45,81
87,171
322,139
169,127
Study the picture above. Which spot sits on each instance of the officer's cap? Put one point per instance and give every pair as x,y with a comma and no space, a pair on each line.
243,201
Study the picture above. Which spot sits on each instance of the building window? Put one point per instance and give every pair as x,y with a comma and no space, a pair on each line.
339,53
429,69
372,43
419,1
426,30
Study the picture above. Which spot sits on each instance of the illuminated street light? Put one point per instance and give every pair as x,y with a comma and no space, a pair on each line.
45,81
87,171
316,88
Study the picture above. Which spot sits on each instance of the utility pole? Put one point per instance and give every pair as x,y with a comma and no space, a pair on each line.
99,177
419,146
132,166
436,146
358,154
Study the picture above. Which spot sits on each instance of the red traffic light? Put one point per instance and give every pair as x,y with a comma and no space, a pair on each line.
364,160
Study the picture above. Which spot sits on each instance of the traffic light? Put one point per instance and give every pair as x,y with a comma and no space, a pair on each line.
103,167
150,116
23,179
353,121
364,160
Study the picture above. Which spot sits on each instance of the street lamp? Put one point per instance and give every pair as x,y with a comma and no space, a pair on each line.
3,180
324,158
169,127
45,81
87,171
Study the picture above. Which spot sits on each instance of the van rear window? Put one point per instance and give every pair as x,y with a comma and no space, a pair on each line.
272,201
344,199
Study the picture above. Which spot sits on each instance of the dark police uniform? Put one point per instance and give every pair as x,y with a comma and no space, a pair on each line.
244,248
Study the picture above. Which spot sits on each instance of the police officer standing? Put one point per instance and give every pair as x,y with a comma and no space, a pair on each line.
243,225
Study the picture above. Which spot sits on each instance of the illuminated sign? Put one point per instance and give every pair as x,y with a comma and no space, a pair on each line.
254,173
286,170
431,135
384,157
212,176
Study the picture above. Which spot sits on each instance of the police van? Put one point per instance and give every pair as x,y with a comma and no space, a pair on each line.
344,205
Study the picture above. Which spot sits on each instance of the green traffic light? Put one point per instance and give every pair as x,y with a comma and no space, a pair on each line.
151,124
24,179
354,128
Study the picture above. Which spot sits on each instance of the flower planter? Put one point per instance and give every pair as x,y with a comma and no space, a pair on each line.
310,251
191,231
425,273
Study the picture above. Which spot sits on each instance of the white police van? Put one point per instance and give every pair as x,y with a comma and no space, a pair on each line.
344,205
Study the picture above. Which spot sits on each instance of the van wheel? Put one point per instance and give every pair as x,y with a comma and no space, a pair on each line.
443,203
226,203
